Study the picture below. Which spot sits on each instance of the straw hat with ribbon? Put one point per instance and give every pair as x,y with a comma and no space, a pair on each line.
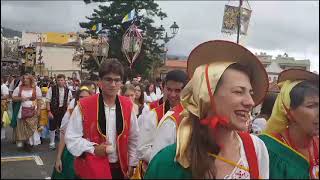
287,80
206,64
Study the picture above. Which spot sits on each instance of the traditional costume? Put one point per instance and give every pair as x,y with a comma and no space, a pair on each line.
59,98
285,161
67,158
91,123
43,119
147,130
26,126
206,63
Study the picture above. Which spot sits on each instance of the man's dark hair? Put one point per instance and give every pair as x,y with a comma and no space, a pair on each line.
111,65
61,76
267,105
178,76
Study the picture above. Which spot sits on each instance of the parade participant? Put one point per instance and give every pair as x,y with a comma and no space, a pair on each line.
27,121
259,123
150,93
103,130
165,133
159,88
58,97
64,160
4,103
139,98
292,132
174,82
4,96
91,85
129,91
227,81
43,119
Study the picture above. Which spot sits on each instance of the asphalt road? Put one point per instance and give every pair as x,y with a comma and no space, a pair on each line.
19,164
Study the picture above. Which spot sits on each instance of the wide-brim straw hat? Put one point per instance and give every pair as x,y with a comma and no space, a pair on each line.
226,51
298,75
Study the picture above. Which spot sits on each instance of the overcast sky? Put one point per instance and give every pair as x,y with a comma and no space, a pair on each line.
275,26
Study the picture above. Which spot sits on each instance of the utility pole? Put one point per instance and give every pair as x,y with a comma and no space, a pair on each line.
239,21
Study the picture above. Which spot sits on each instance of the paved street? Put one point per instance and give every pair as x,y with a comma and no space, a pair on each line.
19,164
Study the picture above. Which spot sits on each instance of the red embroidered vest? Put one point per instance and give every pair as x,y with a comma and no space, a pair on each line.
89,108
154,104
176,114
160,111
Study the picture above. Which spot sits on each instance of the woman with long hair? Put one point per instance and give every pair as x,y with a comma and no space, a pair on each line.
139,97
292,132
64,161
28,95
150,93
212,143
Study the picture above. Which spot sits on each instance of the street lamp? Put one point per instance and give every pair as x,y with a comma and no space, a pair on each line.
174,31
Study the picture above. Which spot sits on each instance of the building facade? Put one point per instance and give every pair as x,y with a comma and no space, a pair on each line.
272,65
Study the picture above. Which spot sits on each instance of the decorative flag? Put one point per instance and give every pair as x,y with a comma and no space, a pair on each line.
99,28
94,28
129,17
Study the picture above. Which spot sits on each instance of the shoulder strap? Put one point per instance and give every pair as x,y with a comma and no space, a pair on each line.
250,154
20,91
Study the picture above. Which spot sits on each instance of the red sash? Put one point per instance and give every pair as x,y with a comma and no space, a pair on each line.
154,104
90,166
176,114
160,112
250,154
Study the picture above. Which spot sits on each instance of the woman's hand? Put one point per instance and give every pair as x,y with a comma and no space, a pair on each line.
58,165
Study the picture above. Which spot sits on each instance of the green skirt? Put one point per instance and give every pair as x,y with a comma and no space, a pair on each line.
67,167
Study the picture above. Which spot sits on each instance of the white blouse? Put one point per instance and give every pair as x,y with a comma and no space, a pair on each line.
262,157
152,97
27,94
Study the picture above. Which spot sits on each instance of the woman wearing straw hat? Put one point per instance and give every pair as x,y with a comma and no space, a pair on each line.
228,80
292,132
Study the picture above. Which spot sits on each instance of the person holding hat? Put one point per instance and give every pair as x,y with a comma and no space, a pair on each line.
292,132
227,81
63,168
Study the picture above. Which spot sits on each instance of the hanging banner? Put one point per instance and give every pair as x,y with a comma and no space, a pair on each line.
230,20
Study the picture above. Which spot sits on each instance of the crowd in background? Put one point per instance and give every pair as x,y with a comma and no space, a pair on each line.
140,91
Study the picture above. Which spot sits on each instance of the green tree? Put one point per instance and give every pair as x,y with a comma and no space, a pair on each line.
111,15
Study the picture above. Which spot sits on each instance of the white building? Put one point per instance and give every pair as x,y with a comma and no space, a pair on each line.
58,59
274,66
30,38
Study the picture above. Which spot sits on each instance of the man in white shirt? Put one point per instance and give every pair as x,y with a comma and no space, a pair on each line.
4,103
58,97
105,126
174,83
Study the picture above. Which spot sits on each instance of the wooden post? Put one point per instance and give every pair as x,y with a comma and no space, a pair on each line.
239,21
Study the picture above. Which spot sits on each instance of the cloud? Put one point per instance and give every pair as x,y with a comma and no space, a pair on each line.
275,26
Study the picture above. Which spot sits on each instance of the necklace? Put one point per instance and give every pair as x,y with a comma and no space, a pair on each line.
313,159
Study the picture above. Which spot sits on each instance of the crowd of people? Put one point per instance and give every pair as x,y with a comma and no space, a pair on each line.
10,68
194,124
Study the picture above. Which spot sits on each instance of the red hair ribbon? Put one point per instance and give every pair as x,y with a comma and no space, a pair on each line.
212,121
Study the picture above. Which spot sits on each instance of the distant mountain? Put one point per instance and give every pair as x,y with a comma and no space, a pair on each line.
10,33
